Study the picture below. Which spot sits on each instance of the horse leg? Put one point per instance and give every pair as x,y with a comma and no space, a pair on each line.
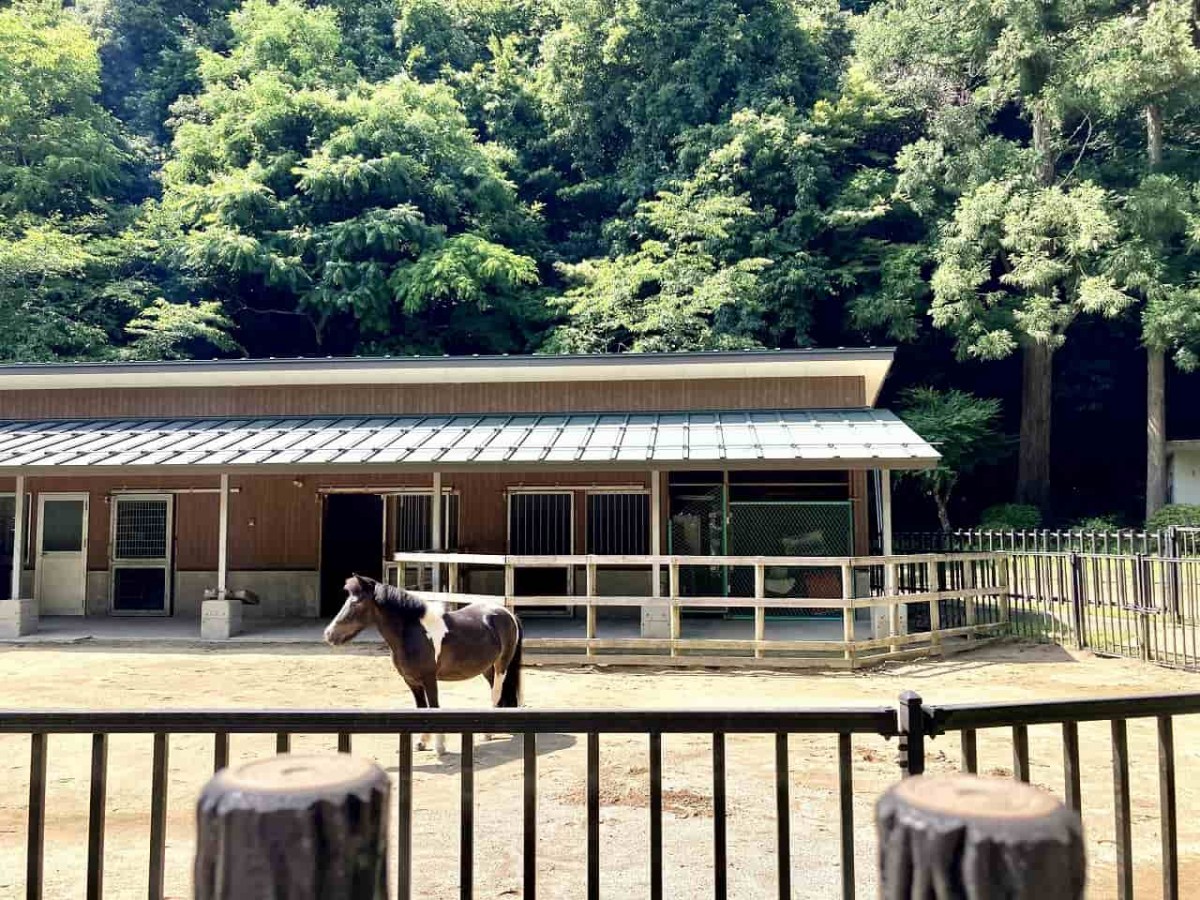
431,695
493,682
418,693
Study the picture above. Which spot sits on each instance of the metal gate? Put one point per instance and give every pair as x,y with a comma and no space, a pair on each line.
141,555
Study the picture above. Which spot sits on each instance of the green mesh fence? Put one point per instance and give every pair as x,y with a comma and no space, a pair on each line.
696,530
791,528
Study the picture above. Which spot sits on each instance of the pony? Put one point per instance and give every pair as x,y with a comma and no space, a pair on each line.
429,644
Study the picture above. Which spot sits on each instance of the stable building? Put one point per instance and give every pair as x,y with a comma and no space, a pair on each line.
239,492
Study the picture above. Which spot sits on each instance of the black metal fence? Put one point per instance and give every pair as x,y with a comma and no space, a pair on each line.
1143,607
1169,542
913,722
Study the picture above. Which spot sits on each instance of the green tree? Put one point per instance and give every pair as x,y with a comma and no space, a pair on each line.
965,430
1146,62
298,188
971,66
74,269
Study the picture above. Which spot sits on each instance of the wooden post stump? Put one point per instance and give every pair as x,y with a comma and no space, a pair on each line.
293,828
960,836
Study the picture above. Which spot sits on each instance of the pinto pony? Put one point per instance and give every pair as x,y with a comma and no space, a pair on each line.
429,644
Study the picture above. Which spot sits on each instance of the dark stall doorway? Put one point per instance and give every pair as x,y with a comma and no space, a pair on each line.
351,541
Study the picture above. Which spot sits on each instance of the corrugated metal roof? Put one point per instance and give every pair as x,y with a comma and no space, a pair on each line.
817,436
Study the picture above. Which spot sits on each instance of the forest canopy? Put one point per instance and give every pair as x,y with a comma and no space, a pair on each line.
1009,191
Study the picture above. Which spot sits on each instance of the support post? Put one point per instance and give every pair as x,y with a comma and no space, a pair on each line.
886,619
18,615
760,613
848,611
673,574
656,620
935,606
436,527
221,613
590,628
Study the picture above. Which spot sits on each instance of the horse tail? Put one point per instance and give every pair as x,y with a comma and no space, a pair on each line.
510,690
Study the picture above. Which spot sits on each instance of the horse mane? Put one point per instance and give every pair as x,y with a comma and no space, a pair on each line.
399,601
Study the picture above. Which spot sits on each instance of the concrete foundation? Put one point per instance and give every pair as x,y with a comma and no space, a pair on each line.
18,618
220,619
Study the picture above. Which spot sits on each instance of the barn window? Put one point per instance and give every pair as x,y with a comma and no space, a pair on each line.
410,529
618,524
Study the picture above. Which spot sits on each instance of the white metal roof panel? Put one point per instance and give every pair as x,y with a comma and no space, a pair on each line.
852,436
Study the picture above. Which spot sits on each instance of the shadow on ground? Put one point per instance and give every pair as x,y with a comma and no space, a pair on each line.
488,754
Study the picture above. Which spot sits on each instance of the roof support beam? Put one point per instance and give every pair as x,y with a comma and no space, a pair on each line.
435,519
223,540
18,560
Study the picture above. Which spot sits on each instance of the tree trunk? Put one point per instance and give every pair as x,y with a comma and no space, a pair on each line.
954,836
1156,431
1154,136
1156,376
1042,145
1033,466
300,827
943,510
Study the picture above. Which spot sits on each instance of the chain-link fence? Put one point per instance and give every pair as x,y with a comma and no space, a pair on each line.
761,528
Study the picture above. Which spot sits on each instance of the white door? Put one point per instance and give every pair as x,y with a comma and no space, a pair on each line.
61,581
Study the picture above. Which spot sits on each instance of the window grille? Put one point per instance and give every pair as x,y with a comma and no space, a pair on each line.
141,529
618,524
540,524
410,529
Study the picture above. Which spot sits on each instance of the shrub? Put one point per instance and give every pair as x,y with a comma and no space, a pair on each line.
1108,522
1185,514
1011,517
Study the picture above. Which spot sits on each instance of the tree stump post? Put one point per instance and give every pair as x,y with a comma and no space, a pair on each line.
960,836
293,828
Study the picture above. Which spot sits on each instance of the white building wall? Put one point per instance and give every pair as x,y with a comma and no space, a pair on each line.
1185,475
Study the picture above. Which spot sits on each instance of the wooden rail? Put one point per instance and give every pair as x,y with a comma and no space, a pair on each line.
963,594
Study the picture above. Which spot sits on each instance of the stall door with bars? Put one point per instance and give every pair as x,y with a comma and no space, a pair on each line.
140,552
408,528
60,582
541,524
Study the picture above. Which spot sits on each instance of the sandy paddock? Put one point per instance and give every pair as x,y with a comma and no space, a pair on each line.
310,678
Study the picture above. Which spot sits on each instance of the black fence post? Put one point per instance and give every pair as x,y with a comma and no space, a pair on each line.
1077,584
911,720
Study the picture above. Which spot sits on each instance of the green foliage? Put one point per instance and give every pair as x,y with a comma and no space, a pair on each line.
73,266
1183,515
299,186
963,427
1011,517
674,292
1019,262
1110,522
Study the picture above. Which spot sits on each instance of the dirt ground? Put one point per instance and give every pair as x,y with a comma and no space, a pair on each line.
303,679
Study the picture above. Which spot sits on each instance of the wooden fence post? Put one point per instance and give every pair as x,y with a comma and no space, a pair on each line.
760,613
935,606
848,612
301,827
673,600
985,838
590,626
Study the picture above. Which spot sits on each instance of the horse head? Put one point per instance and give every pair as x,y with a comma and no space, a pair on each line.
362,599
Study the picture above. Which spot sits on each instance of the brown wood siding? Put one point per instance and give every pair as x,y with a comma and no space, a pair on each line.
861,511
591,396
275,523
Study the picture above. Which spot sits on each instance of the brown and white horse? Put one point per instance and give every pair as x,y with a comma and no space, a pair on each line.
429,644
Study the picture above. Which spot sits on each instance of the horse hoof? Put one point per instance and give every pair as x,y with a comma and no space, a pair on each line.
421,745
